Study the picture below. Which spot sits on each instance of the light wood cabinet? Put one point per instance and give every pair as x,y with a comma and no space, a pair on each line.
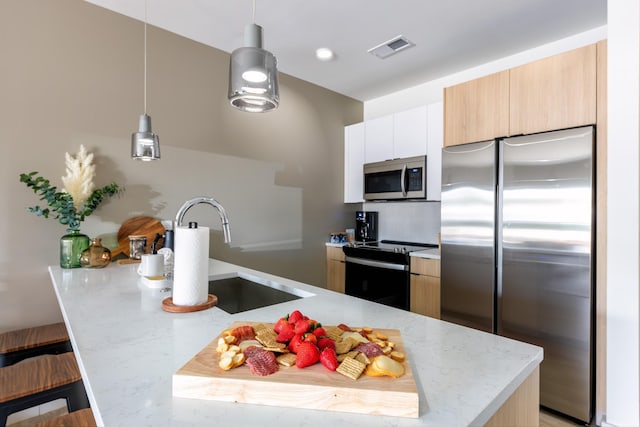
425,287
549,94
353,161
477,110
335,269
554,93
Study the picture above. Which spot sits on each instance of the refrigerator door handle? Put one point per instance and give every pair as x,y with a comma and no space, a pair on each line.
498,233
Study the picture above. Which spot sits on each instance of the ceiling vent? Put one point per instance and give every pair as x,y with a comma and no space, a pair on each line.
391,47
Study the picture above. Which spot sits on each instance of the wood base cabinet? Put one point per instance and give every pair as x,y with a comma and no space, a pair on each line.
335,269
425,287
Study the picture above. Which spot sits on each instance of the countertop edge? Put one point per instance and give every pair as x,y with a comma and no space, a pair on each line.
508,391
427,253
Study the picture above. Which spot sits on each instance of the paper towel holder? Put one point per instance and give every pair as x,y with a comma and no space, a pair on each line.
210,201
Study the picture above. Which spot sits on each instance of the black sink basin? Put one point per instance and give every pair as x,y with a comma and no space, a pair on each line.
237,294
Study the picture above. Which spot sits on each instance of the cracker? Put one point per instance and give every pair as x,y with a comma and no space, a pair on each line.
351,368
286,359
342,356
352,354
343,346
267,337
333,332
381,337
260,326
361,357
278,348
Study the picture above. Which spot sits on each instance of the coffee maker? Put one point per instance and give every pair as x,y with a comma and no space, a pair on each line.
366,226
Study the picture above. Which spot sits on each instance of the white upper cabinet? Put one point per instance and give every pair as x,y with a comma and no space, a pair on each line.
397,135
378,139
410,133
353,161
415,132
435,139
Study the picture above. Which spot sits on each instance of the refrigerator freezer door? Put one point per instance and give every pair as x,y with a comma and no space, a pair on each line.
544,254
468,234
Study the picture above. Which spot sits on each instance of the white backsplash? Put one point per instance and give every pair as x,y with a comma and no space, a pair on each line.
407,221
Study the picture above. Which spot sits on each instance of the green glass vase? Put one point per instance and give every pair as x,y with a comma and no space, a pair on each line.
71,247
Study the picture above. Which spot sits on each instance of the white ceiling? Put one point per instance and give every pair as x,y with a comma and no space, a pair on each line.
450,35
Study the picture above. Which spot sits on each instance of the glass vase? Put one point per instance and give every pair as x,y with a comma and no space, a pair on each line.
96,255
71,247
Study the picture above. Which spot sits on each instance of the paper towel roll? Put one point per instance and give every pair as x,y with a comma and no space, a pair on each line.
191,266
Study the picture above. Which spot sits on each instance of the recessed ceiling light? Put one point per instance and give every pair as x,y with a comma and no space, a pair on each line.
324,54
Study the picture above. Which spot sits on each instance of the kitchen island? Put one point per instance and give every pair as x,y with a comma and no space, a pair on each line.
128,349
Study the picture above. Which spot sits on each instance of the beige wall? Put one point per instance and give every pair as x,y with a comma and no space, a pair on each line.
71,73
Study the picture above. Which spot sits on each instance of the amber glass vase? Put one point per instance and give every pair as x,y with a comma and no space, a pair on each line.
96,255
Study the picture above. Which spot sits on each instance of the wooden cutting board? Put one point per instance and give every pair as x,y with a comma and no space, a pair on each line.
137,226
313,387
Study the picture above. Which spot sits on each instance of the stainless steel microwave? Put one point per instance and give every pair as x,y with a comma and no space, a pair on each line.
396,179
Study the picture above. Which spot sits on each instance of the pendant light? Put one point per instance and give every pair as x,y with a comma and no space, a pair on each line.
253,75
145,145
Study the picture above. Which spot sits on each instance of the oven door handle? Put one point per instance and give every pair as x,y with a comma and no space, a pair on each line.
379,264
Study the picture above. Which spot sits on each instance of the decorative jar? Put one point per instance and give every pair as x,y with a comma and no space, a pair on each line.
96,255
71,247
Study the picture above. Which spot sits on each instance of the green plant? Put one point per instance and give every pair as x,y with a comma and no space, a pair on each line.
79,198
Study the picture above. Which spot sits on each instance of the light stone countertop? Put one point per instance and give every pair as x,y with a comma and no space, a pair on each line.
427,253
128,348
335,245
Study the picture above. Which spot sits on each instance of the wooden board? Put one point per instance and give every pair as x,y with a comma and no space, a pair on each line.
137,226
313,387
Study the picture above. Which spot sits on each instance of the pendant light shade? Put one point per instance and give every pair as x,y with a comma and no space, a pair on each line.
253,75
145,145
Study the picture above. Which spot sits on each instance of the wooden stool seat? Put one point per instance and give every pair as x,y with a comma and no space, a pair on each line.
40,380
81,418
24,343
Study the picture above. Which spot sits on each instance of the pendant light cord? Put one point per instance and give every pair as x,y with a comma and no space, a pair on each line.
145,56
253,16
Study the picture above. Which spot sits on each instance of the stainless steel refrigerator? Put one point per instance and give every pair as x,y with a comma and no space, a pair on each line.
517,254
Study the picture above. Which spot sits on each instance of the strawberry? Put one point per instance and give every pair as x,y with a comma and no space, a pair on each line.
294,343
301,326
280,324
307,355
286,333
319,332
295,316
328,359
325,342
310,338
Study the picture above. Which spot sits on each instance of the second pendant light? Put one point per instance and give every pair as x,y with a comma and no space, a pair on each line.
253,74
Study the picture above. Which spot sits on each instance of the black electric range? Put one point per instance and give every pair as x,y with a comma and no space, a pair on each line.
379,271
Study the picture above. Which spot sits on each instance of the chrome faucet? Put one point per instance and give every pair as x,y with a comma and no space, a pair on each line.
210,201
